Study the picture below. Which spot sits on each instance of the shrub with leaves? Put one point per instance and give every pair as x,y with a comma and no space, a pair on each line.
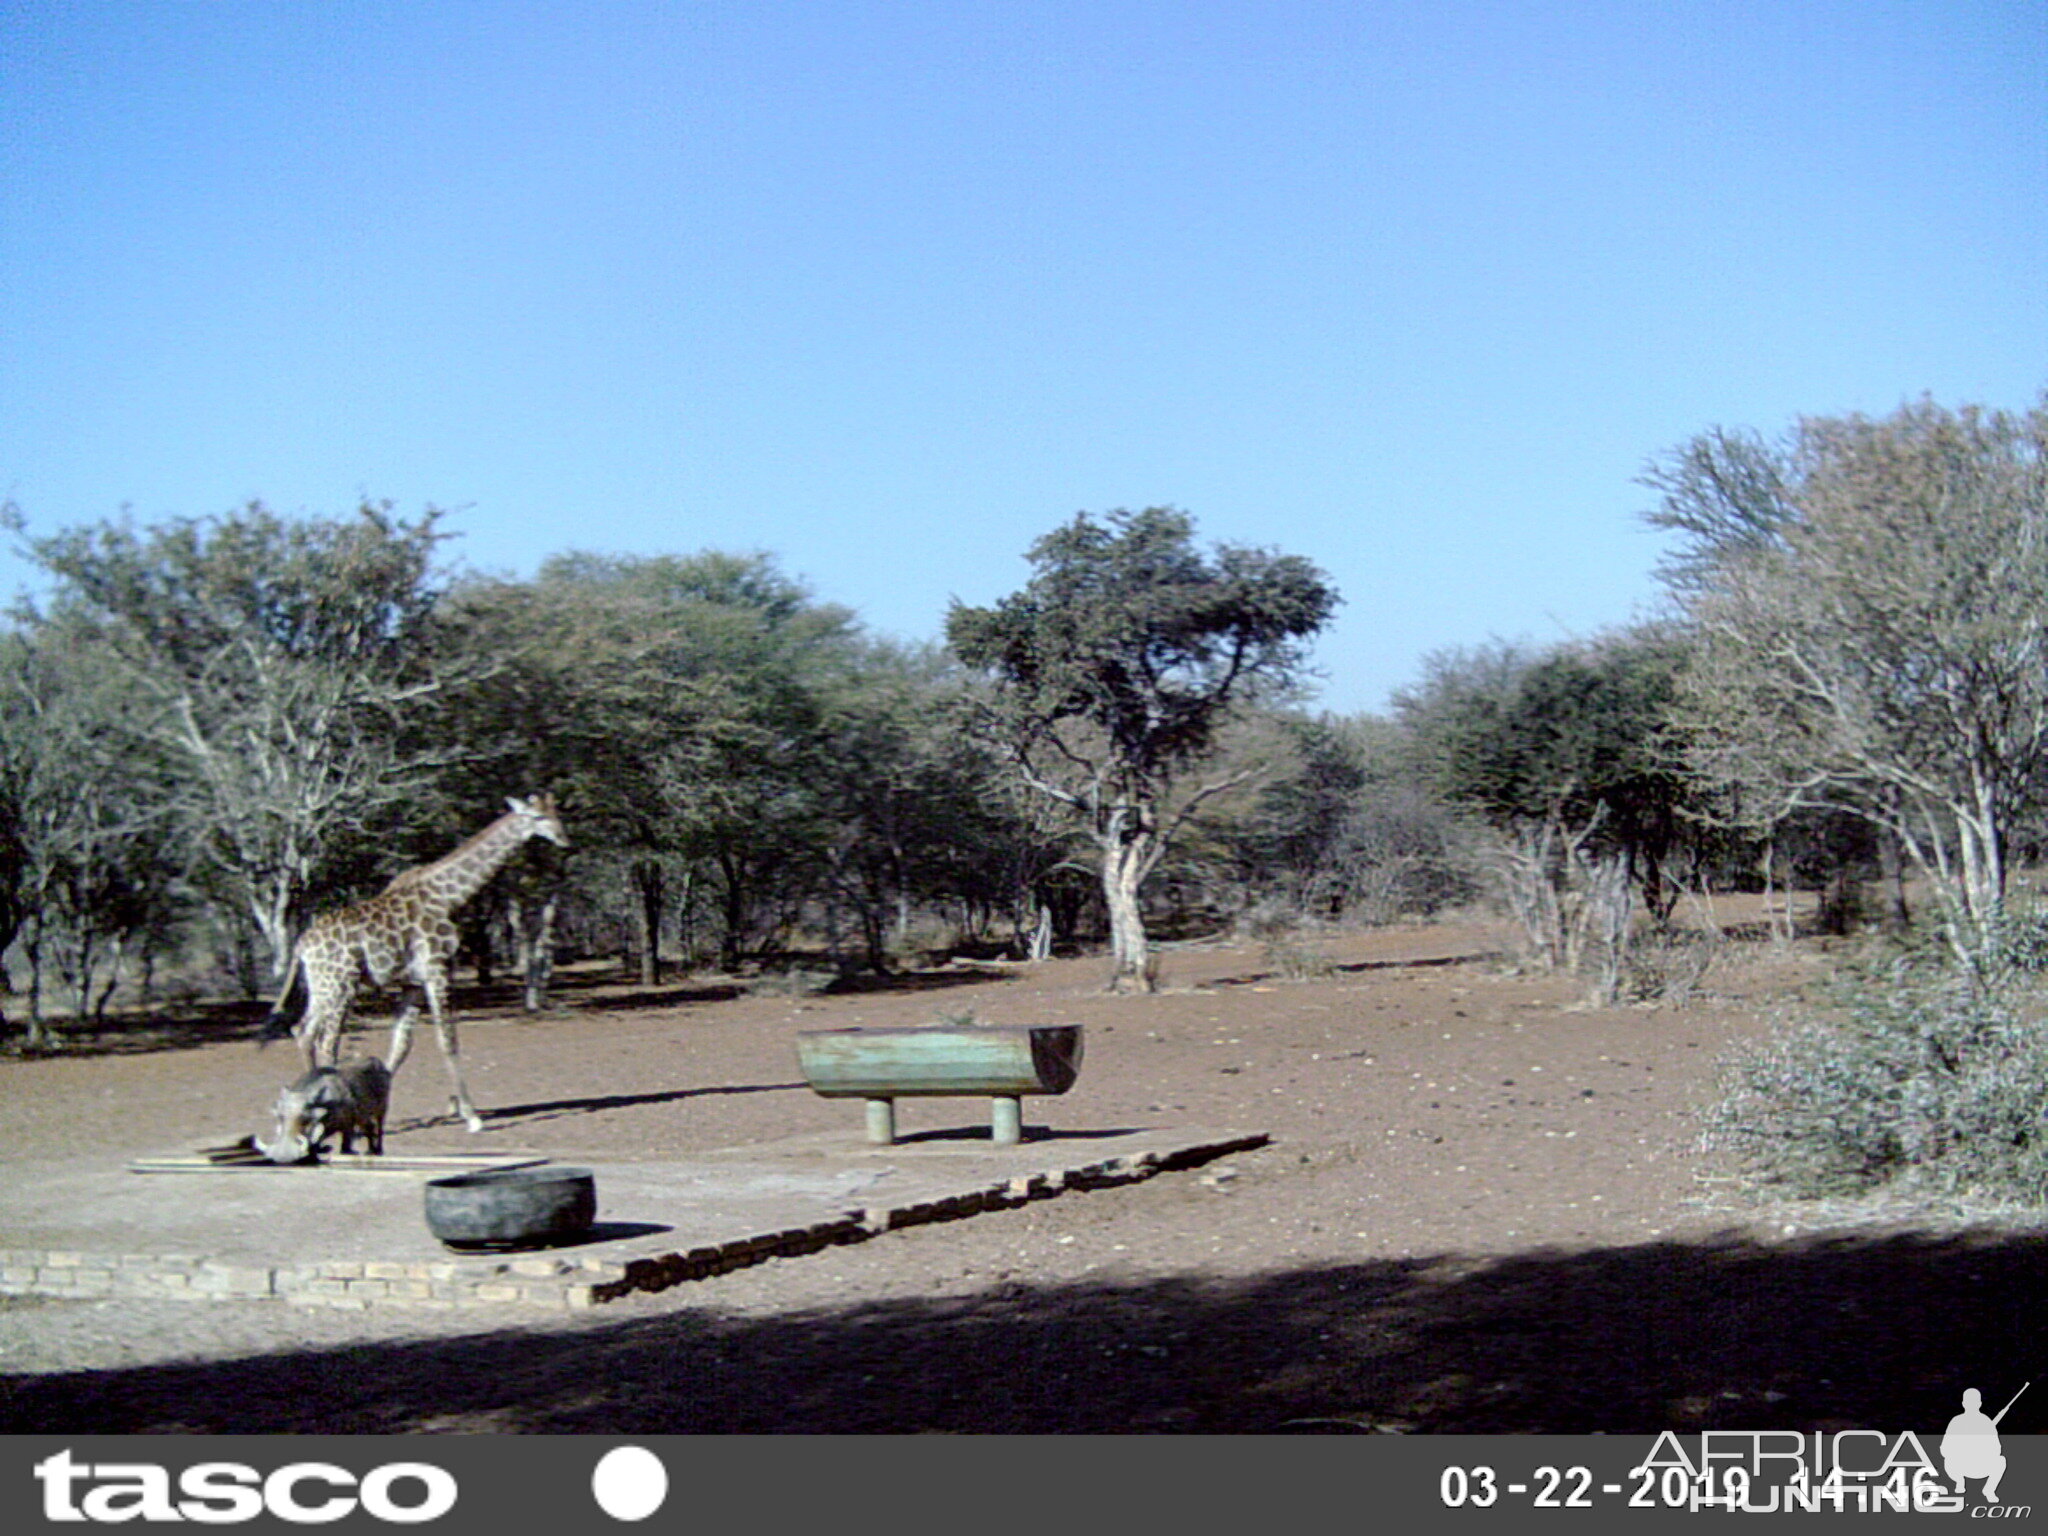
1926,1082
2019,941
1294,958
793,982
1666,966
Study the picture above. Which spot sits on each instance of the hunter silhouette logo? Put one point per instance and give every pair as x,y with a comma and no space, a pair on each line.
1861,1471
1970,1446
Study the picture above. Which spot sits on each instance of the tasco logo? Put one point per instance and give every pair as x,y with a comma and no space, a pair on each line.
227,1492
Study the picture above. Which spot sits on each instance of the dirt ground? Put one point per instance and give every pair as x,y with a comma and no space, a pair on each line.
1481,1211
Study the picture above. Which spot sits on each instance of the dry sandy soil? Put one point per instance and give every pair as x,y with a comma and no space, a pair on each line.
1481,1212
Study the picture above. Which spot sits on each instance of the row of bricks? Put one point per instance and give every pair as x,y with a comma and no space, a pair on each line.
98,1280
352,1284
77,1281
358,1294
53,1260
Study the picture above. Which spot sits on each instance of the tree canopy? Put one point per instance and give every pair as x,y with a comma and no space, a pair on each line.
271,659
1117,665
1884,647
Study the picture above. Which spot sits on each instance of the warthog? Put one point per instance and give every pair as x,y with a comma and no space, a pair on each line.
345,1101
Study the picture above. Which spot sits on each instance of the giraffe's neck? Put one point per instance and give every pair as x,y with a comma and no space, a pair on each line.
460,875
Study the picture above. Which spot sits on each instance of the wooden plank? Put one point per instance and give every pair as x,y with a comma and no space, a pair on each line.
238,1157
428,1162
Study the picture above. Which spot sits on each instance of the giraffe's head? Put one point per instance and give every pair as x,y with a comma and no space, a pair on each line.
539,819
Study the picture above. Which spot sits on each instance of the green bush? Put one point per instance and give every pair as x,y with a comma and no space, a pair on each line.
1924,1082
1293,958
793,982
1666,967
2020,941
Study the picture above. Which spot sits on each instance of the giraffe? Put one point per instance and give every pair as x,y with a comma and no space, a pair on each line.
406,931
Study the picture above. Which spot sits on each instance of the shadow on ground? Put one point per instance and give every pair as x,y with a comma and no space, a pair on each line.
1875,1332
198,1024
1358,967
201,1024
554,1109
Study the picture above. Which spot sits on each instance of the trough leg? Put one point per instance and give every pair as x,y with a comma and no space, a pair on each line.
881,1121
1006,1119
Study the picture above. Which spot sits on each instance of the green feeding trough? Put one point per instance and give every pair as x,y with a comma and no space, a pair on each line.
942,1061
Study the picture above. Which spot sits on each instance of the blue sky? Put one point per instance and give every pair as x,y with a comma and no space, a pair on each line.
889,290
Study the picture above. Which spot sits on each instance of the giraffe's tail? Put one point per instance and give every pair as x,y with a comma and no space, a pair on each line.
276,1025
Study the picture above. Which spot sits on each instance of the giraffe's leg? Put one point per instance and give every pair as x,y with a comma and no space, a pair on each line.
444,1026
307,1031
401,1032
319,1032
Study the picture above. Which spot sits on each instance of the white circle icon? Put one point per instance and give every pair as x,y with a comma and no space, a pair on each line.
630,1482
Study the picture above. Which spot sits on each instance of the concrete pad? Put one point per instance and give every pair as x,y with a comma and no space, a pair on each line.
353,1235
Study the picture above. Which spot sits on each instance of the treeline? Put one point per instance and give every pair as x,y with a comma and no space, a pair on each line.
211,729
1849,688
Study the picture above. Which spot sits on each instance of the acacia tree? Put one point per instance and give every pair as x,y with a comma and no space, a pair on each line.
912,813
1350,828
272,661
16,768
91,833
1877,640
1118,663
675,701
1563,756
734,755
510,703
